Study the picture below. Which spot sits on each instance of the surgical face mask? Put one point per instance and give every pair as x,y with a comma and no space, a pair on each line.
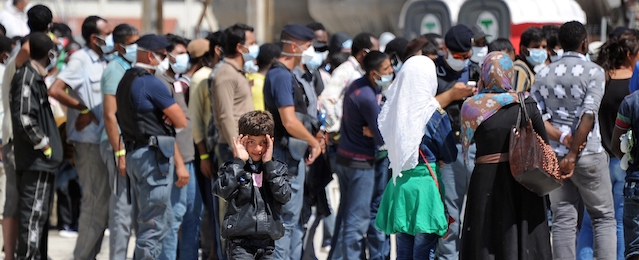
164,65
560,53
109,45
109,56
384,81
478,54
253,51
308,55
250,67
53,59
130,52
181,63
588,57
149,66
315,62
455,64
398,66
536,56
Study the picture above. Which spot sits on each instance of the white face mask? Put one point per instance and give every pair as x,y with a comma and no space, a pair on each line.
308,55
479,53
455,64
164,65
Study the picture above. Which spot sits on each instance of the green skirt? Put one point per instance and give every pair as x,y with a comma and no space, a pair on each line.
413,205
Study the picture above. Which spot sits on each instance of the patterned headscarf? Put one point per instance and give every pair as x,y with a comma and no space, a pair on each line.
495,90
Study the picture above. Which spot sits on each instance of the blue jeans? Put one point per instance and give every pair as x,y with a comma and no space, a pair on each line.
456,177
418,247
152,190
378,242
286,247
179,204
189,240
353,217
585,240
631,219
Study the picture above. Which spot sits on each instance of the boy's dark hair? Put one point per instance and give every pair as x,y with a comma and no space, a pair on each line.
552,35
532,34
256,123
3,30
175,40
362,41
234,35
500,44
39,45
571,35
268,53
39,18
90,27
122,31
373,61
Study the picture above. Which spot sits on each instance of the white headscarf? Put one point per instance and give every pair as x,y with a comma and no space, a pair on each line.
410,103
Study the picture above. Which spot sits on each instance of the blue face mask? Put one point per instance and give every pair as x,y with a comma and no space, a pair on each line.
109,56
109,44
253,52
384,81
315,62
131,52
536,56
398,66
250,67
181,63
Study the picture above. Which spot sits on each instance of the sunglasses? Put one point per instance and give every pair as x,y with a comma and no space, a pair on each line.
459,56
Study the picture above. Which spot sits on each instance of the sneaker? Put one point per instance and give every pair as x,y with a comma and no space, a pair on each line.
68,233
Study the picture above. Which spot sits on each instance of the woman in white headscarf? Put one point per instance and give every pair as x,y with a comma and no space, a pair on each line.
418,134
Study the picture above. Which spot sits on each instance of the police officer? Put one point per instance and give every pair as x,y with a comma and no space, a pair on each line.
287,100
152,154
452,77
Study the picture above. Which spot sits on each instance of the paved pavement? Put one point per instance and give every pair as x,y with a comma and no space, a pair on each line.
61,248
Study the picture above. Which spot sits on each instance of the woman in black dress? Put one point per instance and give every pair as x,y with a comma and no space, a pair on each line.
503,219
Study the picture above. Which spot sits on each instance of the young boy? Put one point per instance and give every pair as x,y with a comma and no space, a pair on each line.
255,187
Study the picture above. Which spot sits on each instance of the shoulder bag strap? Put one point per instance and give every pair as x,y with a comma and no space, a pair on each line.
432,173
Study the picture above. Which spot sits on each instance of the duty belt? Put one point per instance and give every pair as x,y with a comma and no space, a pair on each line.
134,145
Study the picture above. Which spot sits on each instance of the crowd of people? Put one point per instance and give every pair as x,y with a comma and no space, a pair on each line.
226,146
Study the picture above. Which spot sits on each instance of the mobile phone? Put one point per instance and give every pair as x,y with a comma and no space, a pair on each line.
471,84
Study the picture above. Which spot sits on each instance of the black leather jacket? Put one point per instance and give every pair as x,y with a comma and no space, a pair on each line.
252,210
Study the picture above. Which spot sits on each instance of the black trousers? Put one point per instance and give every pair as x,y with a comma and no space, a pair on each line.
35,189
246,248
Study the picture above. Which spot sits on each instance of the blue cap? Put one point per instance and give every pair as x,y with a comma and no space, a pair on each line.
459,38
299,32
153,42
